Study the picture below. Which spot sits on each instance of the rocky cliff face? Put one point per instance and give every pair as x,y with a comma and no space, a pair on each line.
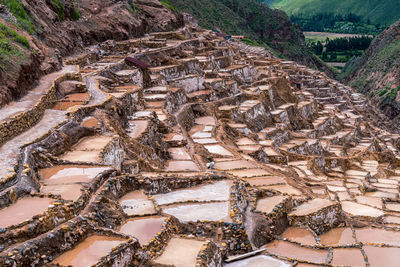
64,28
377,72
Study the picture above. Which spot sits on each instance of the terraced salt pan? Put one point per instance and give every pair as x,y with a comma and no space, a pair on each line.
217,211
208,120
268,204
179,153
348,257
265,181
311,207
284,189
378,236
63,174
218,191
64,106
258,261
248,173
356,209
202,135
136,128
205,141
137,203
337,237
10,150
299,235
292,251
89,251
218,150
382,256
88,149
181,165
180,252
66,191
144,229
23,209
234,164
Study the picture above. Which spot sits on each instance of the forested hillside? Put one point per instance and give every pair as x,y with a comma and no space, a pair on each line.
383,12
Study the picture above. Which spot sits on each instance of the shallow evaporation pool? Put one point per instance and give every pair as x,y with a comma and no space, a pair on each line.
90,122
284,189
88,149
218,191
382,256
181,252
144,228
208,120
181,165
89,251
292,251
258,261
348,257
337,237
267,204
66,105
137,203
377,236
179,153
23,209
61,174
311,207
81,97
234,164
217,211
248,173
136,128
300,235
218,150
355,209
66,191
265,181
202,135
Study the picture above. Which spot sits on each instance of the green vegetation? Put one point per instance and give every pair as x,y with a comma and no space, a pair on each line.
254,20
75,14
133,7
329,22
168,4
7,34
9,50
383,12
61,9
385,58
340,50
24,20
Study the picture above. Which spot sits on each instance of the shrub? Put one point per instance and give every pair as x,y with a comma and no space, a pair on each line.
60,7
8,33
168,4
75,14
24,20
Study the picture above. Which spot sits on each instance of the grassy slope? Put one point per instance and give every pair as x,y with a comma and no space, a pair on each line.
377,72
215,15
384,12
256,21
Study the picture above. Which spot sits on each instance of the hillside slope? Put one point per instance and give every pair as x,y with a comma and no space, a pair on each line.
255,20
383,12
377,72
35,34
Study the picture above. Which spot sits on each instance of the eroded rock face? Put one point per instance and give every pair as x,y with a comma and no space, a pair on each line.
209,157
58,38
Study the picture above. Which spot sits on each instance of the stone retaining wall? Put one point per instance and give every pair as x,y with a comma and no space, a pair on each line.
25,120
